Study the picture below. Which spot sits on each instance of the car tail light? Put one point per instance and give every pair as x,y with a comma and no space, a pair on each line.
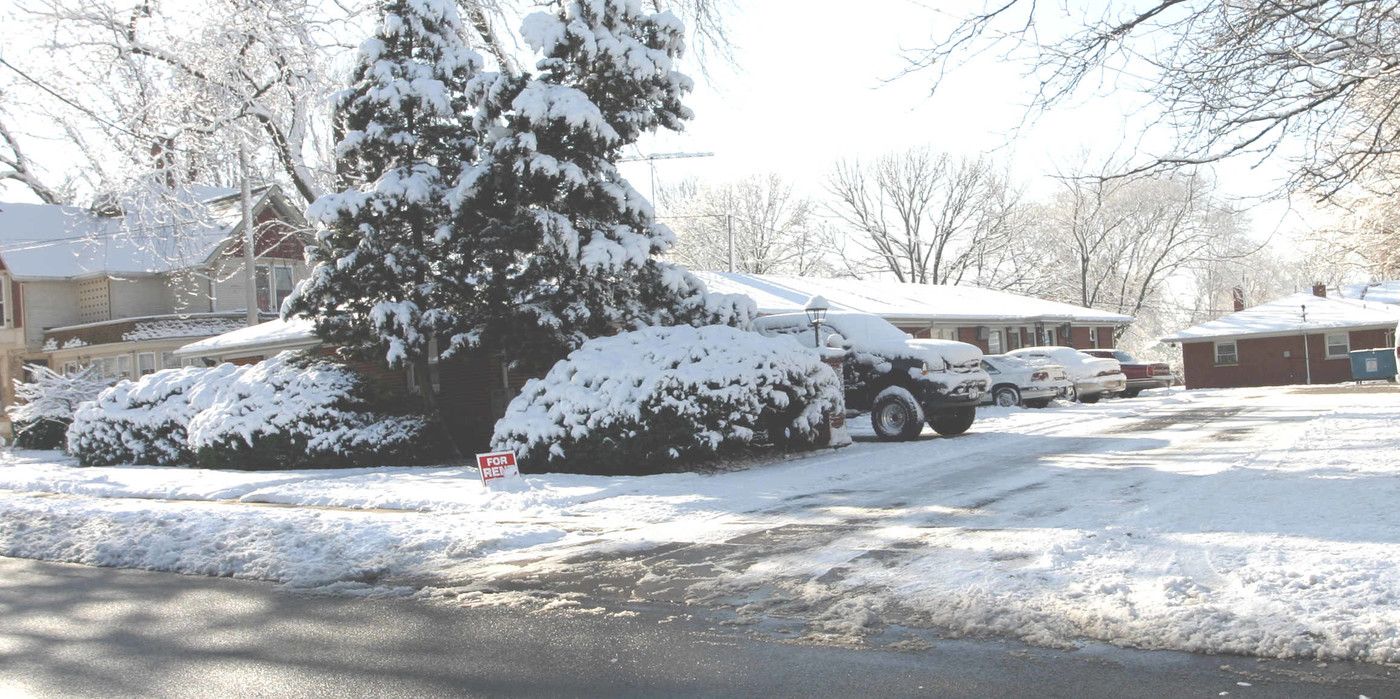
1161,371
1040,376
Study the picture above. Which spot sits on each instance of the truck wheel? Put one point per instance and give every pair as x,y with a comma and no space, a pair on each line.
952,422
896,416
1006,396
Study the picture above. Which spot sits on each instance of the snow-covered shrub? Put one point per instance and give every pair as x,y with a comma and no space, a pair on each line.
295,412
640,401
47,403
285,412
144,421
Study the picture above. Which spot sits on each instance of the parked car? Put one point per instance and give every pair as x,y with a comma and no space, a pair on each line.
1016,381
902,382
1093,377
1141,375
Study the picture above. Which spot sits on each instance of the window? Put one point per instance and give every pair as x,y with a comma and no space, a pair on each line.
1013,339
434,370
943,333
168,360
145,363
1226,353
1338,345
274,285
994,342
70,368
1093,338
987,367
282,285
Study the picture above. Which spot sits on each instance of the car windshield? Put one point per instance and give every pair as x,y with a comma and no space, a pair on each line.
1124,357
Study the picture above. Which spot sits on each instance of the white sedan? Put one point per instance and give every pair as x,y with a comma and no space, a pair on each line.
1016,381
1093,377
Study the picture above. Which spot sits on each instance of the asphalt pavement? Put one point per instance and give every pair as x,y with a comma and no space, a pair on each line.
69,630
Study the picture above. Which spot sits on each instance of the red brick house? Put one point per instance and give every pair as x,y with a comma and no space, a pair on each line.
1303,338
995,321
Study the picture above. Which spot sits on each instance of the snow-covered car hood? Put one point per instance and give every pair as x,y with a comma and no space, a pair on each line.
935,352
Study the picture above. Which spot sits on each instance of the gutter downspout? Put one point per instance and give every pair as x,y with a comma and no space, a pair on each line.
1307,361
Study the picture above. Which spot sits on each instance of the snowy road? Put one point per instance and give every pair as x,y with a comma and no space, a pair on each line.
1253,521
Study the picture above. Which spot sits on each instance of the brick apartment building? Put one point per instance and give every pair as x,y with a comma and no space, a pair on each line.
1303,338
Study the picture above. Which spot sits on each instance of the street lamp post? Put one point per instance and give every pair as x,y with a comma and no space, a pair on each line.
816,313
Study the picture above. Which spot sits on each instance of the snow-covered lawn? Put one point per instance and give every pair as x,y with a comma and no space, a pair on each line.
1256,521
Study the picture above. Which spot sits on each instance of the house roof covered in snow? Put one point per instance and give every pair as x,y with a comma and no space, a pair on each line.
1285,317
895,300
147,236
272,336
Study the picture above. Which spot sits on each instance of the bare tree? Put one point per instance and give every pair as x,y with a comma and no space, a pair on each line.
1321,78
18,168
1124,239
922,216
773,230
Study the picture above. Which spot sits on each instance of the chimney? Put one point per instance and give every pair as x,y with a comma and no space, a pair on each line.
1238,295
1320,290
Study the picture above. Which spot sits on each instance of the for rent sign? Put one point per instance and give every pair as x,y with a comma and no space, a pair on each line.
497,465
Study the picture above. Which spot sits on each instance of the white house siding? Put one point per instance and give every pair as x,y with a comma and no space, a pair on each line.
139,296
48,305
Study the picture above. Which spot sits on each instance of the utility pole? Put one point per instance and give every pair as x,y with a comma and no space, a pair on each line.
651,160
250,270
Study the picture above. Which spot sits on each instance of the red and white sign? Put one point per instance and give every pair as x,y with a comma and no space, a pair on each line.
497,465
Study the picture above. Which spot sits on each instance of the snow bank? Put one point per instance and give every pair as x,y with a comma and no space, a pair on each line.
618,404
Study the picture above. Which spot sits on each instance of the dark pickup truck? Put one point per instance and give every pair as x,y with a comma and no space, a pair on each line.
1141,375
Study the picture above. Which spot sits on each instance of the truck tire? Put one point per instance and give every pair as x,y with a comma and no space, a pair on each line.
1006,396
896,416
952,422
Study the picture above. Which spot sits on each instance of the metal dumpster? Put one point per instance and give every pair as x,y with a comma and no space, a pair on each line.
1373,364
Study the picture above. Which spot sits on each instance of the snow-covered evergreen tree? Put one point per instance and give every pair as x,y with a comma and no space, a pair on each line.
554,246
380,255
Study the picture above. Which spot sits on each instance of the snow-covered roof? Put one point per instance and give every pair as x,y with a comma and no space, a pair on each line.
297,333
895,300
1379,292
1285,317
41,241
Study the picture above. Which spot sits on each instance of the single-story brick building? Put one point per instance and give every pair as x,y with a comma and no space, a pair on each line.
1303,338
995,321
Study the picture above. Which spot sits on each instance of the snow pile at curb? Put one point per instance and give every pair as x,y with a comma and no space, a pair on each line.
1258,521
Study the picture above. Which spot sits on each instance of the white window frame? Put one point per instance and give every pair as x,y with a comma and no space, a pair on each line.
1235,354
168,360
943,333
1346,342
1094,338
142,371
7,314
994,342
434,370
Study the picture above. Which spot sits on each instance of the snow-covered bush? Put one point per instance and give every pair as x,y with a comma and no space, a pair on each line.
47,403
143,421
294,412
285,412
640,401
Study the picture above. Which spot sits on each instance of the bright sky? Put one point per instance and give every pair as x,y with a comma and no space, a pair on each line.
813,86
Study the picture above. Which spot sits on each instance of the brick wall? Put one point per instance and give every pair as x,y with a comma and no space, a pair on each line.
1262,361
